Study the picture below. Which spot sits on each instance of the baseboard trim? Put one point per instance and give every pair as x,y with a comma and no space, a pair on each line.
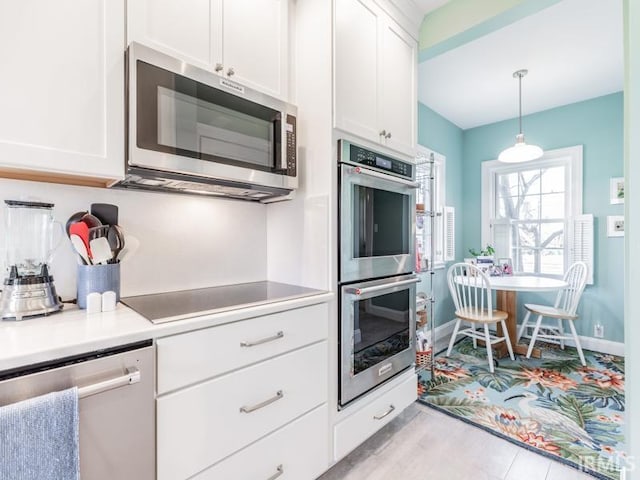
599,345
441,332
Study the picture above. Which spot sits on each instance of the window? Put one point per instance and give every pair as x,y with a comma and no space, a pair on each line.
443,226
531,210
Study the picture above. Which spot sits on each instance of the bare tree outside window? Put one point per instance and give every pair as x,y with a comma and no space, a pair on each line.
534,201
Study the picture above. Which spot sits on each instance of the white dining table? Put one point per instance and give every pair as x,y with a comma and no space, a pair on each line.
506,288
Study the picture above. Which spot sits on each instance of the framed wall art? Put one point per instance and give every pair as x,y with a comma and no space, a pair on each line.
616,190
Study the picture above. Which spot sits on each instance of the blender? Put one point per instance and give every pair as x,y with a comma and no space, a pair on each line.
28,289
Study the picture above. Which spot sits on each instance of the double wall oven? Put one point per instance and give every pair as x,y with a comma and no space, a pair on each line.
377,260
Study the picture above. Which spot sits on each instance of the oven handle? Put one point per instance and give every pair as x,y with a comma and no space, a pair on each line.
377,288
373,173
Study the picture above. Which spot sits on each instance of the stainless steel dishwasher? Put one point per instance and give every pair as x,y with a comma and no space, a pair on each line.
117,407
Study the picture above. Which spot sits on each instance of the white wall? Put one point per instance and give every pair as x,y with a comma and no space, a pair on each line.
185,241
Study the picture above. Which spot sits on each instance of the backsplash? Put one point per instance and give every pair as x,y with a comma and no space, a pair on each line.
185,241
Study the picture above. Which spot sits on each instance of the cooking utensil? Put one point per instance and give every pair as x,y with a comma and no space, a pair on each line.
76,217
115,236
100,251
96,232
106,212
90,220
132,244
80,248
81,230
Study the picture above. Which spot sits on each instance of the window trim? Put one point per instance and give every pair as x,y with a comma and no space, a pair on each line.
571,157
440,161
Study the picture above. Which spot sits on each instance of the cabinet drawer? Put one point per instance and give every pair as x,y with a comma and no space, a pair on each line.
355,429
196,356
299,450
202,424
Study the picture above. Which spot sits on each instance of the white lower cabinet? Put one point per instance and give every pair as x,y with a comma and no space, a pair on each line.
202,424
192,357
298,451
369,418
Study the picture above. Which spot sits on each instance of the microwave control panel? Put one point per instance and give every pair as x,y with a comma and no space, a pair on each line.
291,146
379,161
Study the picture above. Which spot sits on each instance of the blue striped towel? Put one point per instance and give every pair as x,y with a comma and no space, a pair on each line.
39,438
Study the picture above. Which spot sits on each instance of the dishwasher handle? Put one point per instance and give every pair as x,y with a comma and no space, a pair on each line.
132,376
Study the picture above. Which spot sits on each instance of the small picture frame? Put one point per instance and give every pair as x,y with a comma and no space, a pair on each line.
615,226
506,266
616,190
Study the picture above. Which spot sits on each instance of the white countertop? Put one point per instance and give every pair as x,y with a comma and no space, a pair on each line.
74,332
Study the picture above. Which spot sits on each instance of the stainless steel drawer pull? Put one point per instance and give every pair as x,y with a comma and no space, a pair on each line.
279,394
280,471
380,417
277,336
132,376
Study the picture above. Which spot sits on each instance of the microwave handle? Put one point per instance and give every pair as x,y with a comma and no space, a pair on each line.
283,146
377,288
373,173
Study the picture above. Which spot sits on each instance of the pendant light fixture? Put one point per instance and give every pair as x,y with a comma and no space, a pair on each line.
520,152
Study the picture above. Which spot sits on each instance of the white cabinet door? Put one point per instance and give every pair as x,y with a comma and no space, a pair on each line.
356,68
200,425
374,76
298,451
398,98
179,28
62,89
246,40
254,43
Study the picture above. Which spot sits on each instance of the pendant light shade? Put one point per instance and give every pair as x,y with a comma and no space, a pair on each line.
520,152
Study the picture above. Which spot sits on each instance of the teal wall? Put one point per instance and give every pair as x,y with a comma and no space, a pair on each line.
597,124
440,135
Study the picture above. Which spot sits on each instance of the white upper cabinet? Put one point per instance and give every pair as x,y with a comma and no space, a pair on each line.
375,76
398,101
245,40
62,90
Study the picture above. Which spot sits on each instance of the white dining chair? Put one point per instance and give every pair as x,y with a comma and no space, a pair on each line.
471,293
564,309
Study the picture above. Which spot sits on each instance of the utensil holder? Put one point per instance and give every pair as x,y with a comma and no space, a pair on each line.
97,278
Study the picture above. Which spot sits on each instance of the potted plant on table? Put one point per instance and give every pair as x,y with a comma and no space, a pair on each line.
483,258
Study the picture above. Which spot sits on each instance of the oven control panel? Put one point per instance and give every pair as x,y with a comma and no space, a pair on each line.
355,154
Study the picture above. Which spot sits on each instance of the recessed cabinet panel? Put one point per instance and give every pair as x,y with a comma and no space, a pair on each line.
164,24
299,451
62,87
254,42
397,78
356,68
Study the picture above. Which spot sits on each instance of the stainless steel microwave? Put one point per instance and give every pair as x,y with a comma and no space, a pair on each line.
196,132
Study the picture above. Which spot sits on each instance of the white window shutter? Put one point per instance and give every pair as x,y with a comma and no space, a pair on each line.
581,243
449,234
501,237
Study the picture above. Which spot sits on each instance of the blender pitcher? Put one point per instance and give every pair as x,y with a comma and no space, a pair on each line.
30,230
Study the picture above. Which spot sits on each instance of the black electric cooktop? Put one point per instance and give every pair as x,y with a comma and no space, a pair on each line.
170,306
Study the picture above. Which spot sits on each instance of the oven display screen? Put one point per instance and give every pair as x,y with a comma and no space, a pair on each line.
383,163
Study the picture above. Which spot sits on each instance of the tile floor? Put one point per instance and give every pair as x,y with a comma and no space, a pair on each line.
422,444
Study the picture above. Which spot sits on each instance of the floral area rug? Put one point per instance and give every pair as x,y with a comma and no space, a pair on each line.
553,406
